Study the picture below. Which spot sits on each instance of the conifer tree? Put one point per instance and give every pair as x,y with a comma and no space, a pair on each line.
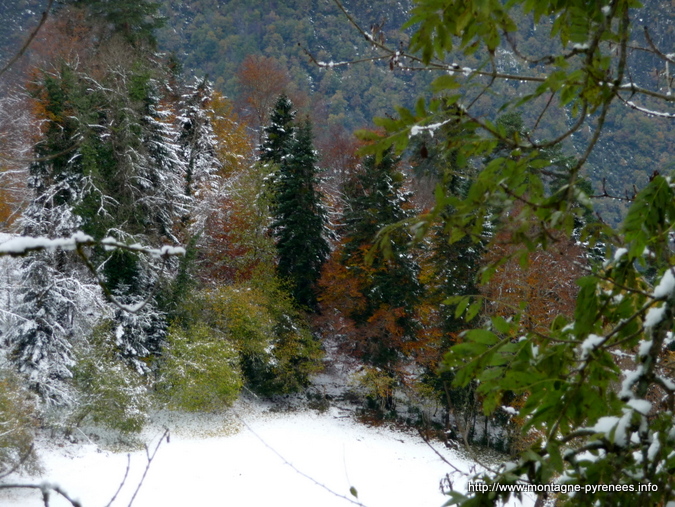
300,220
47,304
377,296
374,199
280,133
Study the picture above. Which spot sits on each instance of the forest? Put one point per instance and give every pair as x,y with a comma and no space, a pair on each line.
469,204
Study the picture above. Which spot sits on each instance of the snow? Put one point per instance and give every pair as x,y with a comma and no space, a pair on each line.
645,347
605,424
22,244
654,316
589,344
654,447
641,406
222,460
620,252
666,286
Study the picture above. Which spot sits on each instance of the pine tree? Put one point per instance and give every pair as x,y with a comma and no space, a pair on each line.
300,220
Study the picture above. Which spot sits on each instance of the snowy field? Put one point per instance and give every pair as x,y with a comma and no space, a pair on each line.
255,460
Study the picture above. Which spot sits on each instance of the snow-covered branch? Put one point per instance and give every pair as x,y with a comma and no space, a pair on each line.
22,245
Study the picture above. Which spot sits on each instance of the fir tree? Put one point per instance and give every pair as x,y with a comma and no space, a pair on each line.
280,133
198,149
47,305
299,218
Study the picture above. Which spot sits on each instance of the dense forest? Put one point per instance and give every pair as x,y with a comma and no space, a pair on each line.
468,203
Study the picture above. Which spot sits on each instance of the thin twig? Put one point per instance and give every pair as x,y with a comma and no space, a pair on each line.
28,42
147,466
295,469
124,479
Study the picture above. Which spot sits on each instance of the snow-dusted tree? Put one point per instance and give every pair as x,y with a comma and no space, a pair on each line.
144,199
279,134
299,217
40,344
373,301
199,150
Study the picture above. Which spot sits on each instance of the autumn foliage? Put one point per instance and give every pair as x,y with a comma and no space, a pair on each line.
539,285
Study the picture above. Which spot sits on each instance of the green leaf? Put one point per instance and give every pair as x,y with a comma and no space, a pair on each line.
461,306
473,310
353,492
483,336
444,82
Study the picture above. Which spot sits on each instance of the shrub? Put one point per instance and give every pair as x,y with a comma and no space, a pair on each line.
17,421
278,352
200,371
110,393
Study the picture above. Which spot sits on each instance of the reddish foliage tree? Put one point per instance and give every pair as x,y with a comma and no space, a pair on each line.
542,288
261,81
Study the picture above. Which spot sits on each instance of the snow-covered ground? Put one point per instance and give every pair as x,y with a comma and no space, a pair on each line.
251,456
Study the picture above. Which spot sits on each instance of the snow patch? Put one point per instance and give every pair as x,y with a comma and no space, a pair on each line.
654,316
666,286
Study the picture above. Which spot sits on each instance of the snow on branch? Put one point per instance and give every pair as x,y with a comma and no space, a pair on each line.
22,245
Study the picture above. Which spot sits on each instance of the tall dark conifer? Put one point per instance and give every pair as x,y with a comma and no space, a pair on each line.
280,133
300,220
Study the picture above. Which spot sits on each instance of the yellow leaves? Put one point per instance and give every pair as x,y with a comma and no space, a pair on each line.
234,145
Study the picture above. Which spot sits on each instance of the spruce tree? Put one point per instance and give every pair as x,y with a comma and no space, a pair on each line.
300,220
49,304
280,133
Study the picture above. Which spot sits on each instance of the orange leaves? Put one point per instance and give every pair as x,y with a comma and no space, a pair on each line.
262,80
340,289
542,290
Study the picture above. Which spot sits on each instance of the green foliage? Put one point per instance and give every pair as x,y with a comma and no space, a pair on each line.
278,352
200,370
299,224
18,418
136,20
256,337
109,392
586,417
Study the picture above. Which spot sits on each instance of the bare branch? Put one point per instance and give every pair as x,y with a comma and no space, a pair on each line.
28,42
286,462
124,479
147,466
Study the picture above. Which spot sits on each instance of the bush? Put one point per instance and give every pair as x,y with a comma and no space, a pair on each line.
109,392
17,421
278,352
200,371
249,332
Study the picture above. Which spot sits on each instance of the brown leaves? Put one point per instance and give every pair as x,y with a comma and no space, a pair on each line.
542,289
